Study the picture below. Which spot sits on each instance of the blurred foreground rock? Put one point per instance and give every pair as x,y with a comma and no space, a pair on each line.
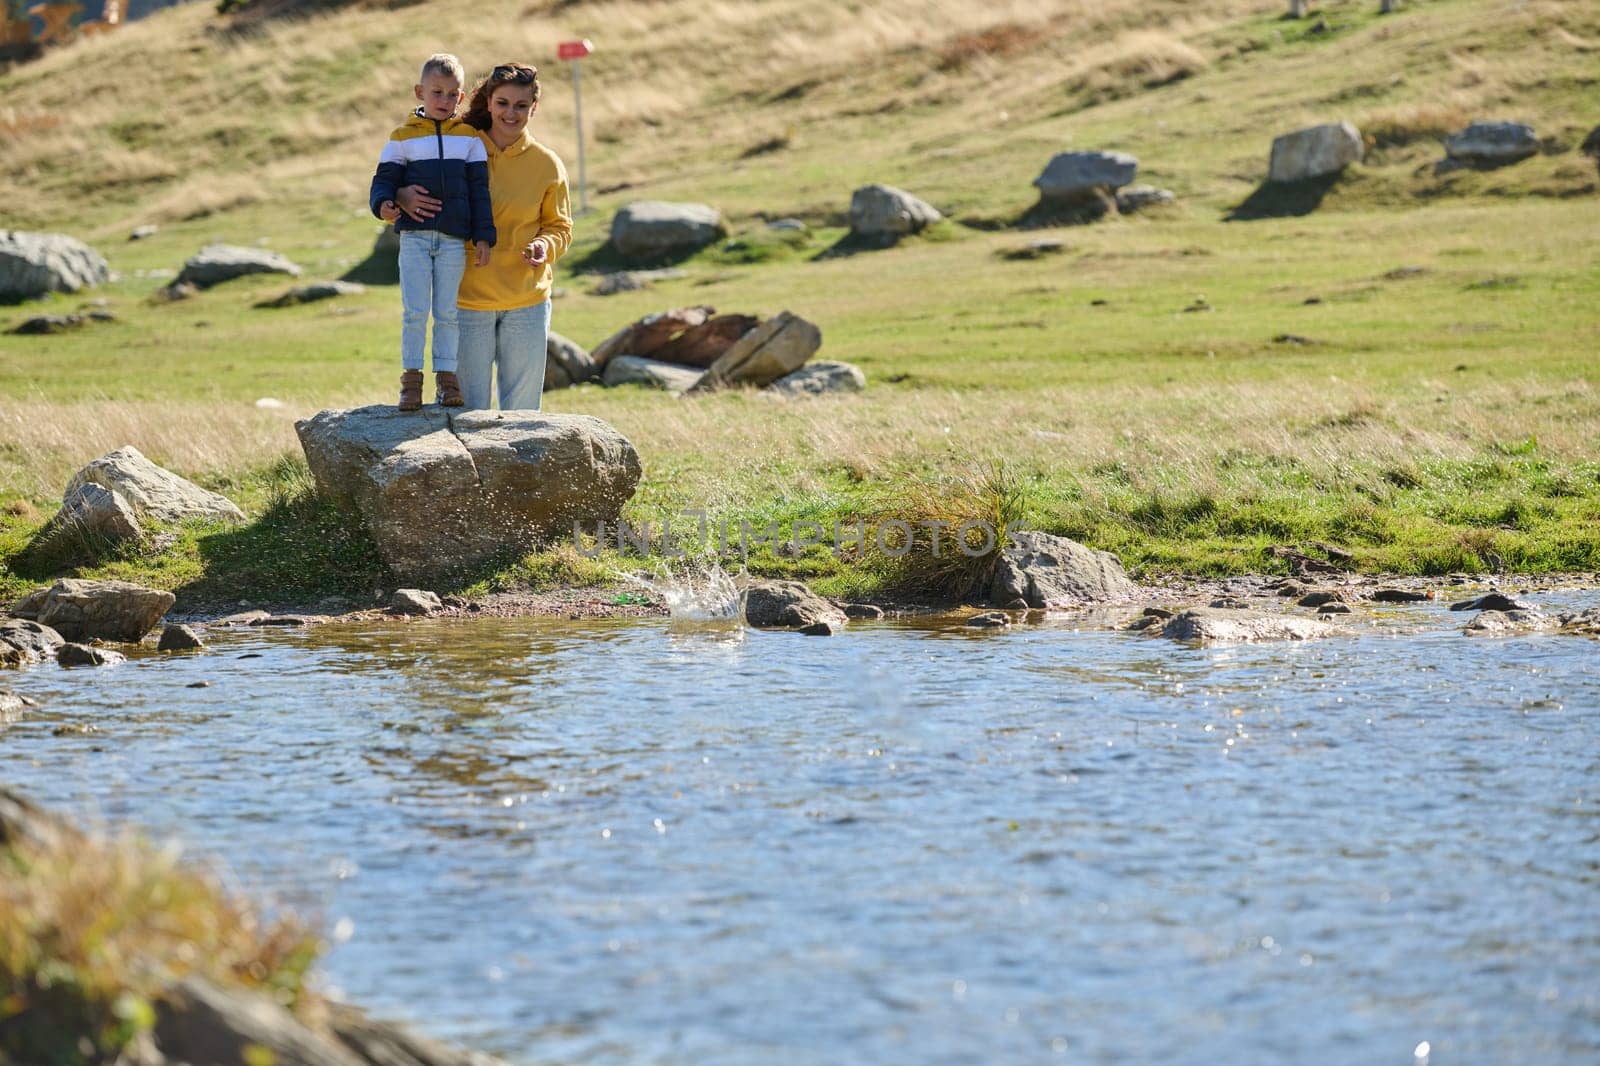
443,493
33,264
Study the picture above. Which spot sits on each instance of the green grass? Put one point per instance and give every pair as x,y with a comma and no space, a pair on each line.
1440,418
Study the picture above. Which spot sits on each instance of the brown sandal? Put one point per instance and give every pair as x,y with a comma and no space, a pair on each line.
411,390
449,389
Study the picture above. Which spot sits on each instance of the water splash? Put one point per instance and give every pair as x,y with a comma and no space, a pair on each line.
705,598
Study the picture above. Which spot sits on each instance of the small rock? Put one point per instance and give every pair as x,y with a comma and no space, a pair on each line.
288,621
1581,623
457,603
81,609
1204,624
1136,198
74,729
638,370
178,637
863,610
991,620
1290,588
1162,613
1492,144
1334,608
242,618
818,629
141,232
1047,571
883,211
1494,601
1317,599
1495,621
816,379
84,655
42,325
1401,596
319,290
1292,338
790,225
1230,603
415,601
198,684
217,263
787,603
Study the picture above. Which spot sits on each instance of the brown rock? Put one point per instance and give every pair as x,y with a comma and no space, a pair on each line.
787,603
81,609
86,655
179,638
777,347
704,344
649,333
24,642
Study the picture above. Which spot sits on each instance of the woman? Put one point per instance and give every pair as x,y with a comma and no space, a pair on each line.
505,306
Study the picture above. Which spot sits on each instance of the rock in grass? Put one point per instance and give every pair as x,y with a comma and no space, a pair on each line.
415,601
638,370
787,603
816,379
153,492
33,264
44,325
178,637
442,493
1136,198
92,515
317,290
1054,572
566,363
1070,177
779,346
648,230
1492,144
1205,624
81,609
1317,152
216,263
85,655
883,211
24,642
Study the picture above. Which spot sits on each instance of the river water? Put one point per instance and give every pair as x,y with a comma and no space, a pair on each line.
619,842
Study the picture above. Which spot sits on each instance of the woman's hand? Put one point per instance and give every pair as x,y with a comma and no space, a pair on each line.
536,253
415,202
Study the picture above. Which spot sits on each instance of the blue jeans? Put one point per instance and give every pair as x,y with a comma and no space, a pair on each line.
431,265
515,342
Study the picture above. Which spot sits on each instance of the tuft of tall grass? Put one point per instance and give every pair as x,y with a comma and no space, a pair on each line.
942,535
96,927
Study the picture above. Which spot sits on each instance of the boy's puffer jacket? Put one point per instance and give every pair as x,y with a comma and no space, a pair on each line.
448,157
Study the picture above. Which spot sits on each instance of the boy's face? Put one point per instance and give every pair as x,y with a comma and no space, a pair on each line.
440,95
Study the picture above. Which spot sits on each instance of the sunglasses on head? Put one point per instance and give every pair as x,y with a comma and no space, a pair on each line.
520,75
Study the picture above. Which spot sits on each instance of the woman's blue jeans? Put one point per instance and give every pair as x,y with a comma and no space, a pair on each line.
509,344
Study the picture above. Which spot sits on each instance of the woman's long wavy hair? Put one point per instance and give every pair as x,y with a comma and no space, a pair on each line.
478,116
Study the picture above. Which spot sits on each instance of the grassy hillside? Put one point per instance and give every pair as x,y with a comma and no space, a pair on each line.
1440,418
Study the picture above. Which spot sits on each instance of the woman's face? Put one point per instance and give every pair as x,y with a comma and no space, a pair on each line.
509,107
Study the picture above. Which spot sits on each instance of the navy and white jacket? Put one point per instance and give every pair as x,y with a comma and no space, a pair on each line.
449,158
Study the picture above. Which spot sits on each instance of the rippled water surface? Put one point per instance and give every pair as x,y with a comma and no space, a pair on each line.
614,842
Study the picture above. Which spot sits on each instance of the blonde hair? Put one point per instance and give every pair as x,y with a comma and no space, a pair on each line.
443,63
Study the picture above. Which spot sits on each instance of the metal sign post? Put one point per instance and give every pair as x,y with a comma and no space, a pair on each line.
576,51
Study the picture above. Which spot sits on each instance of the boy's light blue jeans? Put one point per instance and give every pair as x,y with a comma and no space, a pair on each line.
515,342
431,265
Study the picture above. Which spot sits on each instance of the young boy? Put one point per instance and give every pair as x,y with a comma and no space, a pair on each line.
435,149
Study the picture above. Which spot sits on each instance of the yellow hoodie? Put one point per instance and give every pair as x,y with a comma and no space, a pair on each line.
528,192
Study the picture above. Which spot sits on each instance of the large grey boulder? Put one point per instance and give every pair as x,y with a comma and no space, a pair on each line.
1492,143
216,263
637,370
1042,570
1315,152
882,211
81,609
152,492
779,346
815,379
443,492
651,229
566,363
1071,177
788,603
24,642
1216,624
32,264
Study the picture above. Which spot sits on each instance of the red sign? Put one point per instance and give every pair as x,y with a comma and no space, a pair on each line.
574,49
